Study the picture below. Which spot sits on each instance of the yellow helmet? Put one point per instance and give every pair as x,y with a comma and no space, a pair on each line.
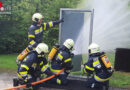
37,17
93,48
69,43
42,47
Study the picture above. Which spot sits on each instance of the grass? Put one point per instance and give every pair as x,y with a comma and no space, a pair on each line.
7,62
118,79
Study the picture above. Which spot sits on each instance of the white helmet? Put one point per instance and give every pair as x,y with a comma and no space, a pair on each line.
69,43
93,48
42,47
37,17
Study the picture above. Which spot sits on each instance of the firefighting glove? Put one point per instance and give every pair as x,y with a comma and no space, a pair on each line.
57,22
110,70
61,20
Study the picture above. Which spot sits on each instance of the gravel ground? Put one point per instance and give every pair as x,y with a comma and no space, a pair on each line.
6,82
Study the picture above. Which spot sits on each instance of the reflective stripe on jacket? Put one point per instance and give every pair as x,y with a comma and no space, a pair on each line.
31,64
35,33
94,66
62,60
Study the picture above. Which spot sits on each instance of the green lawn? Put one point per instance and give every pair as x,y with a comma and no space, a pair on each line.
120,79
7,62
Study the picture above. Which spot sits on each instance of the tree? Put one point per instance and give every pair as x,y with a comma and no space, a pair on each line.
14,28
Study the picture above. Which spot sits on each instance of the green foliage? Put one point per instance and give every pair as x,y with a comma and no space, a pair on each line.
14,28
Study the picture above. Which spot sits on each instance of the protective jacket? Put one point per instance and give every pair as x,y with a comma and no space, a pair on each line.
32,66
96,67
35,33
62,60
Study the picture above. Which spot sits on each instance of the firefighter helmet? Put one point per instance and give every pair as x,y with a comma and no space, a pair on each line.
42,48
93,48
69,43
37,17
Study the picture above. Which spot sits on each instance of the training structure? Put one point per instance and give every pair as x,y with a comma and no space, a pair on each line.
70,28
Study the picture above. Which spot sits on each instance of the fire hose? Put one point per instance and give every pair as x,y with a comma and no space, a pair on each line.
37,82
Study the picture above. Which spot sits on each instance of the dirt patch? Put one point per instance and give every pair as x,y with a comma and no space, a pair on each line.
6,70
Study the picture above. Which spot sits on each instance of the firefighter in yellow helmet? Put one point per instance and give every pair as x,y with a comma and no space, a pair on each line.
36,30
62,59
99,67
32,66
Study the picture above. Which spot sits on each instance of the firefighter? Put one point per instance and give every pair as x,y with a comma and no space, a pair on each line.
35,34
33,65
63,60
36,30
98,67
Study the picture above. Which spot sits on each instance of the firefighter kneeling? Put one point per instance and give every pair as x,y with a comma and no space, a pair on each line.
99,67
62,59
32,66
